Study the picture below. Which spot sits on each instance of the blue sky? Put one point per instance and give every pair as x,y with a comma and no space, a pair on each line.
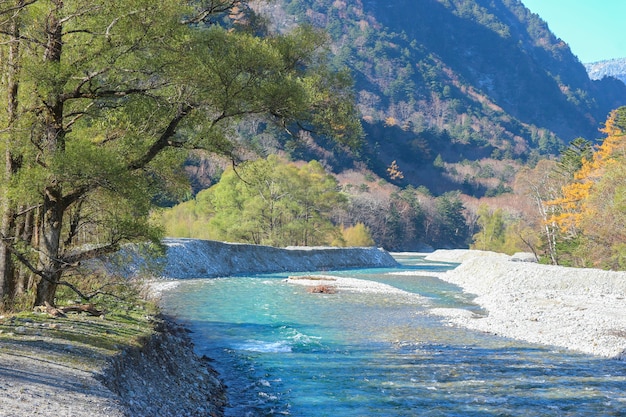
594,29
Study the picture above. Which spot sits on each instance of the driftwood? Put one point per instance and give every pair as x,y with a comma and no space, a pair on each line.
53,311
83,308
323,289
77,308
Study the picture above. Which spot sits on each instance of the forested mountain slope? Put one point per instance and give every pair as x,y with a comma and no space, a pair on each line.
443,84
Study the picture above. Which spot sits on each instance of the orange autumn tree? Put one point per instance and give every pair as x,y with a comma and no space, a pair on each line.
591,199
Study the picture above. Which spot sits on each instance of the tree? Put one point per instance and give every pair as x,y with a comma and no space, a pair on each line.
450,225
271,202
588,210
372,210
572,158
492,229
357,235
603,222
574,205
109,96
394,171
315,195
541,184
591,209
9,61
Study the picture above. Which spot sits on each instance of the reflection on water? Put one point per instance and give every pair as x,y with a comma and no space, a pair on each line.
283,351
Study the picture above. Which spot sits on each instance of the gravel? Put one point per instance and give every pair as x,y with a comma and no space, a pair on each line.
30,386
578,309
163,377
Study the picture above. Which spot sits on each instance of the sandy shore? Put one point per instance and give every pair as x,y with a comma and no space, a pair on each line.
578,309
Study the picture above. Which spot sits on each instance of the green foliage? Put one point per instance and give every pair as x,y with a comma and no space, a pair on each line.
438,162
571,158
451,227
109,97
492,228
263,202
357,235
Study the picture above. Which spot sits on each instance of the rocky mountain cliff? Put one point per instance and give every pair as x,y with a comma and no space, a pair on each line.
615,68
442,84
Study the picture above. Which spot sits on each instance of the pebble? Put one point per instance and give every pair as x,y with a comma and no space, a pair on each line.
579,309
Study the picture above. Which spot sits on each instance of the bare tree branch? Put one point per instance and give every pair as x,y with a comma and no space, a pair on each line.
164,140
214,7
18,7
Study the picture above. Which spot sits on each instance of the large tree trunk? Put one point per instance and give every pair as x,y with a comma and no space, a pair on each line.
6,264
7,225
27,230
53,207
50,239
6,231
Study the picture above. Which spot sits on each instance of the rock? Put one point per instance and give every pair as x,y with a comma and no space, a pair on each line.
165,368
524,257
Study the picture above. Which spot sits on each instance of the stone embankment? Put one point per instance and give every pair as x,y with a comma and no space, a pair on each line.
192,258
164,377
577,309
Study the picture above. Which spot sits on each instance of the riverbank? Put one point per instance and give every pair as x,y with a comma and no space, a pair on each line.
578,309
195,258
125,365
130,364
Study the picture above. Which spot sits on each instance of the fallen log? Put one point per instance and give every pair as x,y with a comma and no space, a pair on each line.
76,308
323,289
83,308
53,311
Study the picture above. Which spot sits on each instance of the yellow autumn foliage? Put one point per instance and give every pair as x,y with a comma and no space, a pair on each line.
573,207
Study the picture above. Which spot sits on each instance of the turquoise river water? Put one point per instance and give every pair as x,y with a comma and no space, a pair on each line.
283,351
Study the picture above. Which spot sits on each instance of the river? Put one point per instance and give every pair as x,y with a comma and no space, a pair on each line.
284,351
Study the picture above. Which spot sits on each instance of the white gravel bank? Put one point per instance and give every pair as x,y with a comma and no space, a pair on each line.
195,258
577,309
352,285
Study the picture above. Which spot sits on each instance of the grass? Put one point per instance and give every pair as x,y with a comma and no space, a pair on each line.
79,340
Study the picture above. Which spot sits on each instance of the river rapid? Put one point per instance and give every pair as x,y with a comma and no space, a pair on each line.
282,350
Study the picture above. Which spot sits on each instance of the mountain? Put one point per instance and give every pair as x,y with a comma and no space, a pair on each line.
610,68
459,93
